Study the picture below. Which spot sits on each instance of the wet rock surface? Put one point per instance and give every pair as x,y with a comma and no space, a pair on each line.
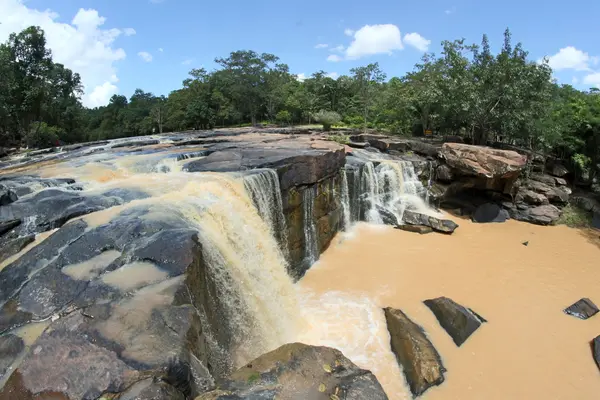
596,350
490,212
11,347
299,371
437,224
460,322
421,229
582,309
418,357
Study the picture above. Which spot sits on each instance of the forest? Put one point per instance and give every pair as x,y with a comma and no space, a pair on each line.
466,90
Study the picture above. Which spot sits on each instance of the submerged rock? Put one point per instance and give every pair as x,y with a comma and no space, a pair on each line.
7,196
420,361
6,226
582,309
490,212
460,322
421,229
596,350
438,225
299,371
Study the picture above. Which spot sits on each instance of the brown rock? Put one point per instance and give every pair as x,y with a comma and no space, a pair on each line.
421,229
419,359
483,161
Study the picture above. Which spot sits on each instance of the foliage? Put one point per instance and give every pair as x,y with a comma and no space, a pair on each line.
327,119
283,117
41,135
575,217
340,138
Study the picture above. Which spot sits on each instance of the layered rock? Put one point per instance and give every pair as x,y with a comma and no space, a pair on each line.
299,371
483,162
582,309
420,361
460,322
437,224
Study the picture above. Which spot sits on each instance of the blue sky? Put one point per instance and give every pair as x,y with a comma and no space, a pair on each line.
118,46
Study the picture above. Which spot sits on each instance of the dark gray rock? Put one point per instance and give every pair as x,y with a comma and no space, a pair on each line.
438,225
557,169
136,143
10,247
596,350
417,356
596,220
151,389
444,173
357,145
11,347
460,322
546,179
540,215
421,229
560,181
490,212
299,371
553,194
7,196
582,309
7,226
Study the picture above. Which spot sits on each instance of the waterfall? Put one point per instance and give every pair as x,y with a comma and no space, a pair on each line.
263,188
369,188
311,247
346,202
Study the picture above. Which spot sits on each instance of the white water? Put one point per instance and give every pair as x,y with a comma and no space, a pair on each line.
347,215
311,246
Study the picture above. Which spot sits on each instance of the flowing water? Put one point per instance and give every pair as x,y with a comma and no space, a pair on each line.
529,349
311,247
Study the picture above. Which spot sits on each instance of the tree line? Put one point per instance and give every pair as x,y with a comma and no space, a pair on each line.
466,90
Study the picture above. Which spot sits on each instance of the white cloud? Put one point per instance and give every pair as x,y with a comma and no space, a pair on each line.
417,41
334,58
187,62
348,32
575,80
301,77
375,39
80,45
571,58
160,49
321,46
144,55
592,79
333,75
129,31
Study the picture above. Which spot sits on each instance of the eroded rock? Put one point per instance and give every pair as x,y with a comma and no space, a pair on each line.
582,309
437,224
299,371
7,196
11,347
460,322
483,161
420,361
421,229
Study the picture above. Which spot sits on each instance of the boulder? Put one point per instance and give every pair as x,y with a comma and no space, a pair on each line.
540,215
438,225
6,226
483,161
11,347
531,197
557,169
596,350
299,371
421,229
444,173
560,181
547,179
490,212
596,220
358,145
419,360
10,247
553,194
460,322
7,196
582,309
136,143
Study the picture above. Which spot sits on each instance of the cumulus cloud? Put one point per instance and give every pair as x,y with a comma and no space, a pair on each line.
129,31
417,41
334,58
301,77
592,79
348,32
374,39
81,45
571,58
144,55
338,49
321,46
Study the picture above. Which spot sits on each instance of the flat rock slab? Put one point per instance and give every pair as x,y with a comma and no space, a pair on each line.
596,350
11,347
299,371
421,229
483,161
582,309
420,361
437,224
460,322
490,212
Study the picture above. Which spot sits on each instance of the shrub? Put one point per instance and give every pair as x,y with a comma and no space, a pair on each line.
575,217
341,138
283,117
42,135
327,118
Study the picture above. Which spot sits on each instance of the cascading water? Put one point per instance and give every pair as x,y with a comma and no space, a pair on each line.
369,186
346,202
311,246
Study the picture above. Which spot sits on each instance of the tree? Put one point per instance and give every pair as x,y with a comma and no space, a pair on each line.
367,80
327,118
158,112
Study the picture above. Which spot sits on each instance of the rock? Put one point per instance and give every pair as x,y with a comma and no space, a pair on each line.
531,197
547,179
438,225
9,225
560,181
458,321
444,173
483,161
11,347
490,212
596,220
299,371
420,361
10,247
136,143
7,196
151,389
558,169
421,229
582,309
553,194
526,243
596,350
357,145
544,215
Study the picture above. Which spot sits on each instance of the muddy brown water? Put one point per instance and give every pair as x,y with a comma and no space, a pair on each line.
529,349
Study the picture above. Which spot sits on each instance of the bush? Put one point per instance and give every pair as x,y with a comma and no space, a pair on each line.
283,117
341,138
327,118
575,217
41,135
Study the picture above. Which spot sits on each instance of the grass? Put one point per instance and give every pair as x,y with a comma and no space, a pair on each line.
575,217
